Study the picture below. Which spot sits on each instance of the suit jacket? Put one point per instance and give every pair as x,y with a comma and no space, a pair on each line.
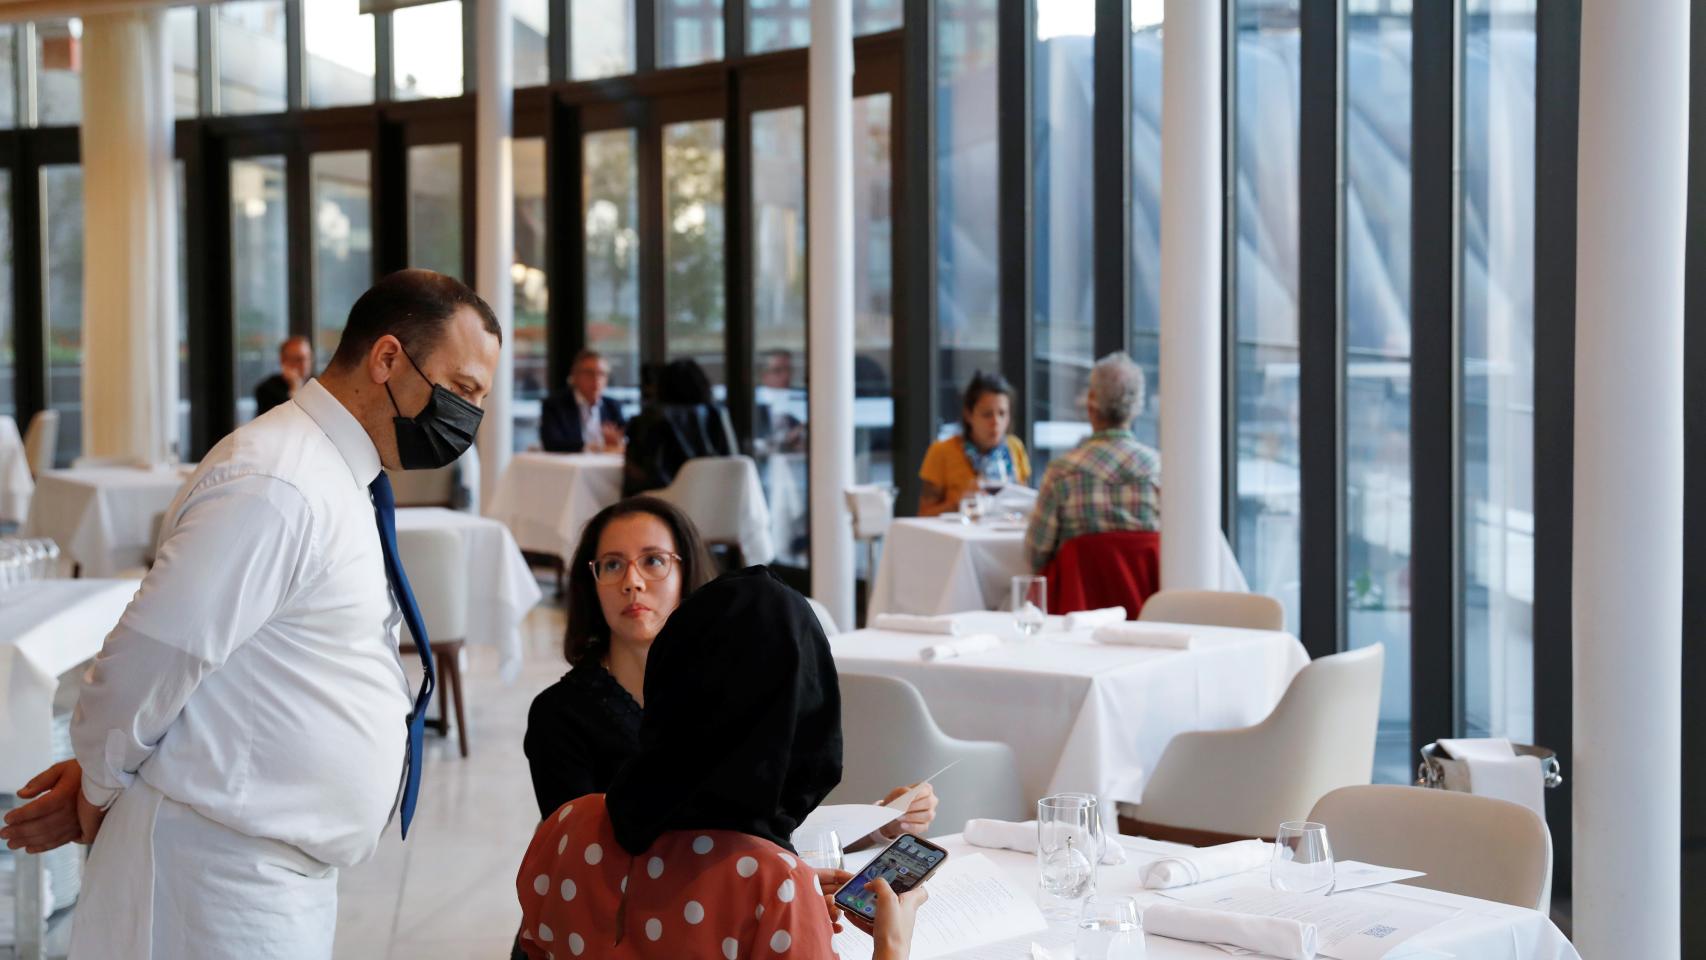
271,392
666,436
560,421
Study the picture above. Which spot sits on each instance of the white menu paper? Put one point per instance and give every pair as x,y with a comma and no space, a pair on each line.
972,902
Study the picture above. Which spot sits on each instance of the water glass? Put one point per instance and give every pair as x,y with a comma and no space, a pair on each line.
1067,853
1109,928
1030,604
972,507
1303,860
819,847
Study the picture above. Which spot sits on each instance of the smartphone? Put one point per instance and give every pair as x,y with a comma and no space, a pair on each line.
905,864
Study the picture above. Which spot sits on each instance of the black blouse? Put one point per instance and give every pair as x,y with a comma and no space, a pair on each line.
579,731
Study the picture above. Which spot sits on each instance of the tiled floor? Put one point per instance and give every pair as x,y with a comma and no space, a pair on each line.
449,892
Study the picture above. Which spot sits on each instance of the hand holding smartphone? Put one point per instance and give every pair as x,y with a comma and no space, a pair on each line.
903,865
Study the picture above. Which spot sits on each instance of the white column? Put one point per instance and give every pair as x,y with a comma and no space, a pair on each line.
130,246
1627,563
1190,296
494,226
830,161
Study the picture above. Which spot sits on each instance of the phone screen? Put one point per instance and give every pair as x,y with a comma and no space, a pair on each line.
904,865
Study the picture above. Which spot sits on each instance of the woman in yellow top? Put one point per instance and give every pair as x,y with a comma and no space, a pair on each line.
954,467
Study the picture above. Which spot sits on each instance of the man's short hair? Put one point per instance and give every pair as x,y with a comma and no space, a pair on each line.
298,338
1116,389
414,306
583,356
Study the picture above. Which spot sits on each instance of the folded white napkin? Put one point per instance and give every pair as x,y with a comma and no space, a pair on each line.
1208,863
973,643
911,623
1022,836
1136,633
1496,771
1270,936
1091,619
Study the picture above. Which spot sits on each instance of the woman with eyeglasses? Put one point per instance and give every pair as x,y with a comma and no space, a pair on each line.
636,561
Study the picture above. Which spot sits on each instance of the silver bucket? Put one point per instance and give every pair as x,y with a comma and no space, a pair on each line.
1441,772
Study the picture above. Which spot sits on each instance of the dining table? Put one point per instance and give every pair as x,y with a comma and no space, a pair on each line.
104,518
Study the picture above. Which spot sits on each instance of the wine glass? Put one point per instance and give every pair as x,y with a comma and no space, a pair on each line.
1066,854
993,476
1303,860
819,847
1109,928
1030,604
972,508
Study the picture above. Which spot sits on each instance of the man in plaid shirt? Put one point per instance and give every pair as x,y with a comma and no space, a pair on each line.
1109,481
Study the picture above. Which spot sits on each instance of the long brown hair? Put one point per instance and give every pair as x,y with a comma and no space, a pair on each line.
588,634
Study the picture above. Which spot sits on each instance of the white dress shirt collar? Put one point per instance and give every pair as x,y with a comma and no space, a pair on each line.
342,428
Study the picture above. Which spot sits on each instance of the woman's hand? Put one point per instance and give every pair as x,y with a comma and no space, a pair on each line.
891,930
920,813
831,880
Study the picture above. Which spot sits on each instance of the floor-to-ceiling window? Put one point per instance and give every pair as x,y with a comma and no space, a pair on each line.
249,40
610,189
340,188
260,297
339,59
694,302
435,208
62,305
1145,332
531,289
428,51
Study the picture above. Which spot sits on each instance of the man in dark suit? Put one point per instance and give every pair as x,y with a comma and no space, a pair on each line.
582,418
295,366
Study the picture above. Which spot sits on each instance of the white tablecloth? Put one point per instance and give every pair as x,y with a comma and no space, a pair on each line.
546,498
1483,930
103,517
501,588
1082,715
15,483
46,628
930,565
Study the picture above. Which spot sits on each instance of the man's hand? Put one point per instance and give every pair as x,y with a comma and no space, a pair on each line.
613,438
918,816
57,815
831,880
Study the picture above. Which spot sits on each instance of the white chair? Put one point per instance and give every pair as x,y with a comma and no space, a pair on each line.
1469,845
890,740
424,488
824,618
872,507
1213,785
41,438
724,499
1215,608
437,564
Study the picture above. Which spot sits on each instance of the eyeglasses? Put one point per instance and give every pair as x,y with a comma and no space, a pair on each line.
652,565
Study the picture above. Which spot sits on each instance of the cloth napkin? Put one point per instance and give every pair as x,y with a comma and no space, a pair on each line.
1208,863
1496,771
1270,936
1022,836
1139,634
1091,619
971,643
911,623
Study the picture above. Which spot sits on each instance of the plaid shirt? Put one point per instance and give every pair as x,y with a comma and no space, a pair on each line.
1108,482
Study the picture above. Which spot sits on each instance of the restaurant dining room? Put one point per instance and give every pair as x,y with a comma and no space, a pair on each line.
683,479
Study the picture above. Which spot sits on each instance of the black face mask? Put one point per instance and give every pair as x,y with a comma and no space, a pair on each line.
440,433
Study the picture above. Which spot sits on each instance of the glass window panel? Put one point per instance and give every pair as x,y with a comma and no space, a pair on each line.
8,75
875,16
532,293
62,226
259,273
968,253
873,295
1377,364
1498,370
610,188
59,78
250,45
693,299
1265,300
340,194
779,322
1063,254
435,208
427,41
1146,211
8,349
689,31
186,93
185,391
532,42
339,55
601,38
778,24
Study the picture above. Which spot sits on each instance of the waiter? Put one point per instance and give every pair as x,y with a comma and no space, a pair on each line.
247,728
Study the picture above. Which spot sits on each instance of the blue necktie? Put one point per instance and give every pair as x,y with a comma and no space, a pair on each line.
385,509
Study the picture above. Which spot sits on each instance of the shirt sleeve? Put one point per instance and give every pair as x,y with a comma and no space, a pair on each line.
934,469
795,922
1042,535
235,557
558,758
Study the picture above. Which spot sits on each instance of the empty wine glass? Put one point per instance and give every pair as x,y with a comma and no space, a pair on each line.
1066,854
819,847
1030,604
1109,928
1303,860
972,508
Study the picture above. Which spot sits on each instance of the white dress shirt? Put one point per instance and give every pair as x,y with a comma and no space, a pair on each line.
255,676
592,424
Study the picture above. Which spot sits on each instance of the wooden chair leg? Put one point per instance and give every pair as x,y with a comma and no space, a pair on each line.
461,719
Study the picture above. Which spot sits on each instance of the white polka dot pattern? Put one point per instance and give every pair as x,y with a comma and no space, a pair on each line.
576,944
654,929
654,868
759,913
594,853
746,866
789,860
562,844
545,934
693,913
624,884
786,891
731,948
541,884
780,941
563,814
702,845
568,889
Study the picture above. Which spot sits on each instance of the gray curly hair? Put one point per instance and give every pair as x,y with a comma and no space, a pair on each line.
1116,389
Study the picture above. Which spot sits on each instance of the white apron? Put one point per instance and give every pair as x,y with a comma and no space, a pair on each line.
165,883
